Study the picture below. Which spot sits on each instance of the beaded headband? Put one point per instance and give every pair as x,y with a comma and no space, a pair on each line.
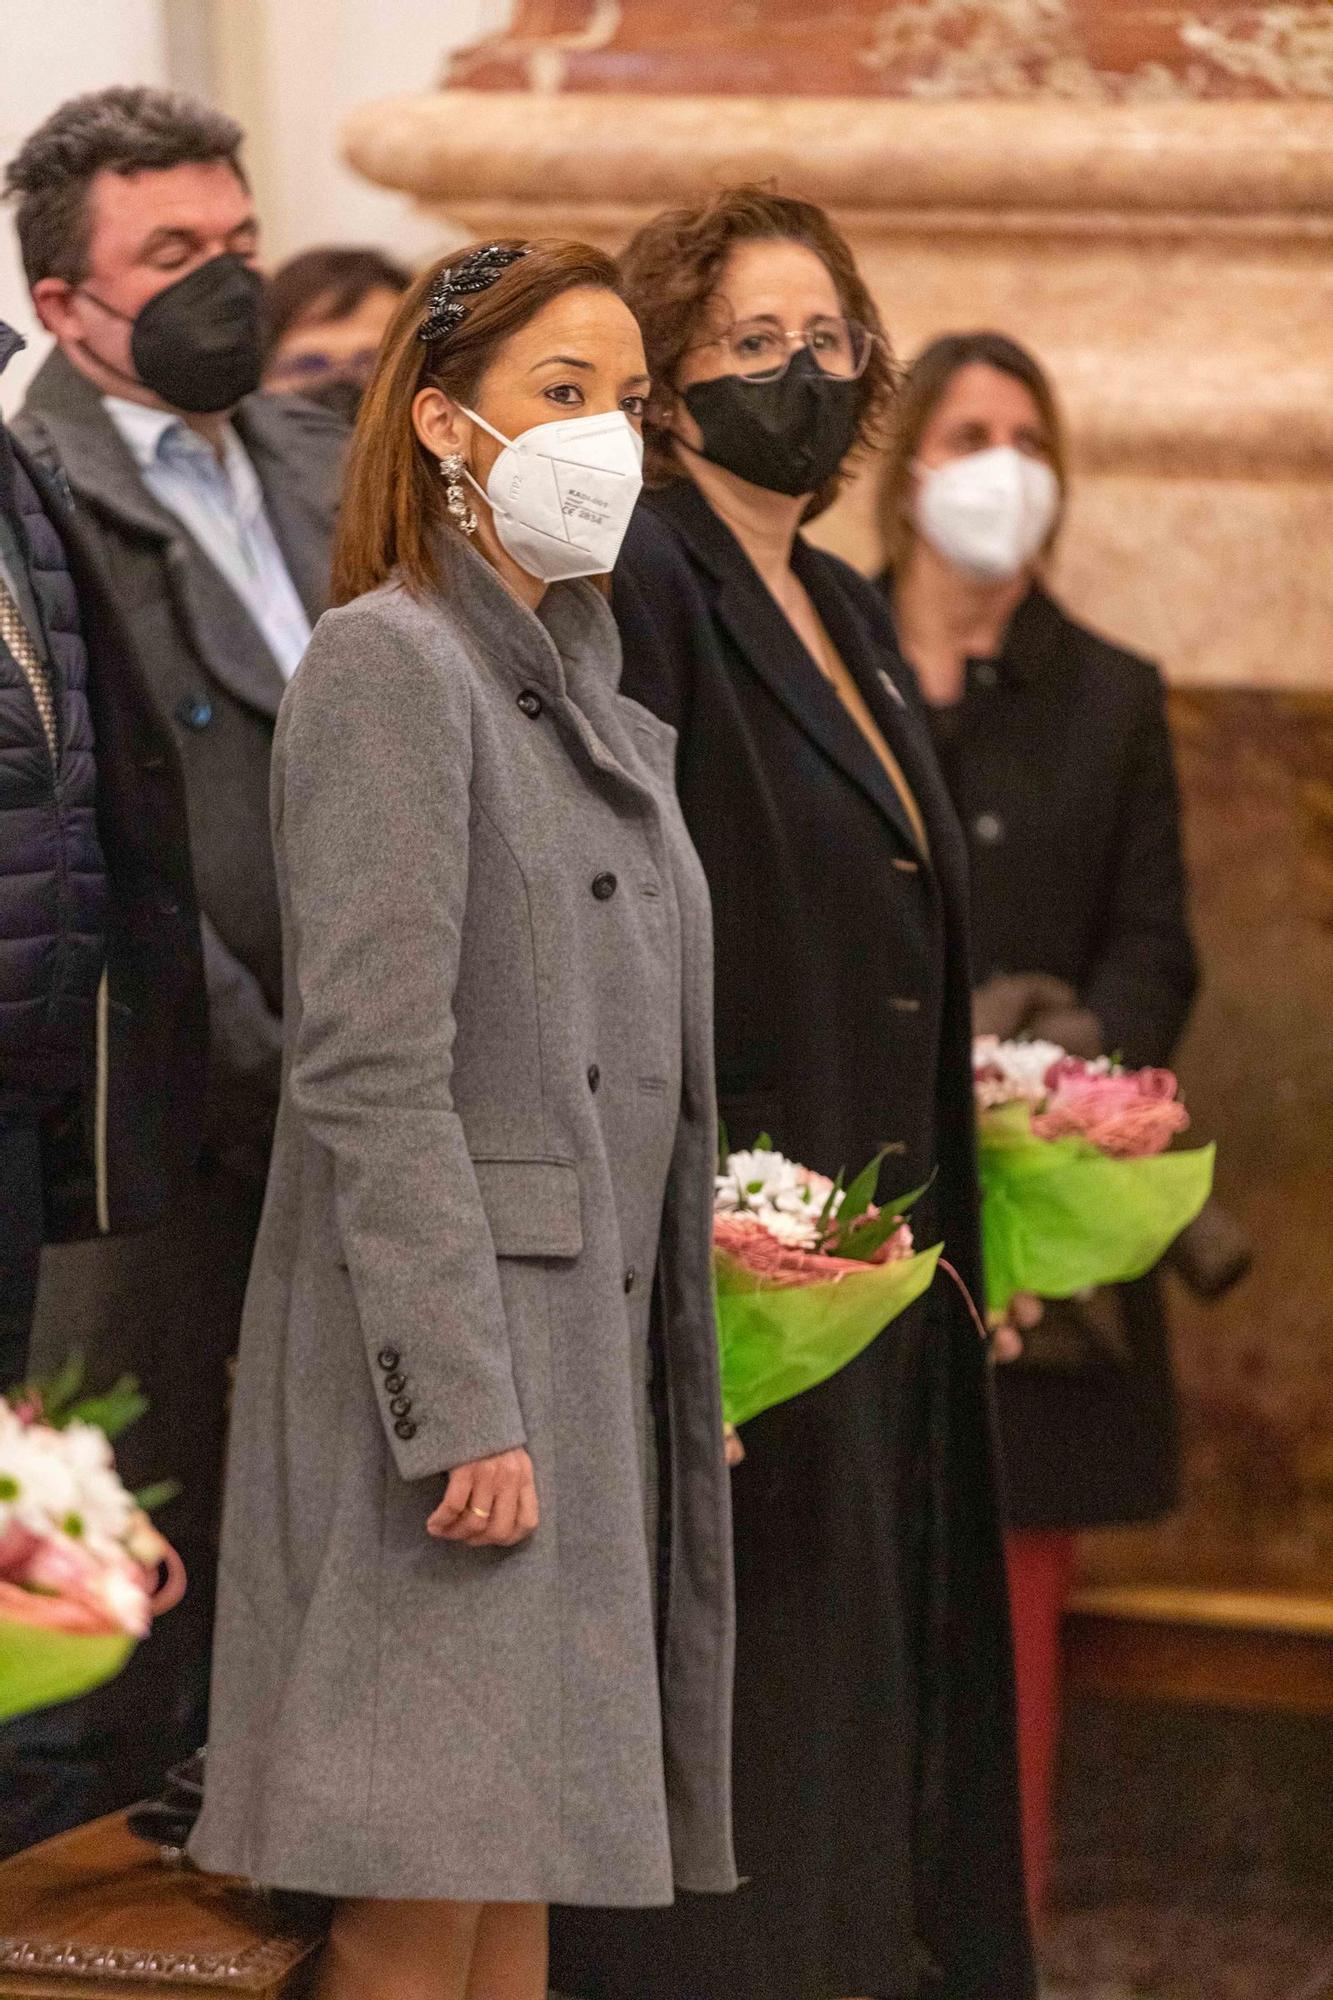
457,282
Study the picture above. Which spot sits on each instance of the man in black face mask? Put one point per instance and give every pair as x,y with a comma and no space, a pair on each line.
211,510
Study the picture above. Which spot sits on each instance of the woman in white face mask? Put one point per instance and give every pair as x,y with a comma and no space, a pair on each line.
481,1317
1055,748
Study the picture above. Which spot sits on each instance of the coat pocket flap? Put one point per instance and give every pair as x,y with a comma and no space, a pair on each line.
532,1206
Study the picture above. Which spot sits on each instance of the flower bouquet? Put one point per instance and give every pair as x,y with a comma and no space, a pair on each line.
80,1561
806,1273
1078,1188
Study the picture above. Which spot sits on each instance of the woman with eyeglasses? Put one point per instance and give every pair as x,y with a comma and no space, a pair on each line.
874,1769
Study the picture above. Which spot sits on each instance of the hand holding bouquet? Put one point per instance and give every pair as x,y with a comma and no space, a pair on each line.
807,1273
1078,1188
80,1560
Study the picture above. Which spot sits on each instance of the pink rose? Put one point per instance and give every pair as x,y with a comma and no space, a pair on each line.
1131,1115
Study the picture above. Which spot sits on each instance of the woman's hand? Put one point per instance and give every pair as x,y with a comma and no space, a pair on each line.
491,1503
732,1446
1007,1332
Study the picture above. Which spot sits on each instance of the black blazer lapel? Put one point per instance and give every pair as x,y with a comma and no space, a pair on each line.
761,631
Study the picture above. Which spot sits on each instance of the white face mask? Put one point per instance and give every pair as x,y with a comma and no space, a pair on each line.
561,494
989,513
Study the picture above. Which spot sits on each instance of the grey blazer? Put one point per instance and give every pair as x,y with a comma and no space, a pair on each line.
488,1217
214,679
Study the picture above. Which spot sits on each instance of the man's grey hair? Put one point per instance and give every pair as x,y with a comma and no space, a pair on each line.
126,130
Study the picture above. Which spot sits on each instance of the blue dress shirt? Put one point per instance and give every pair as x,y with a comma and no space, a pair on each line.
220,502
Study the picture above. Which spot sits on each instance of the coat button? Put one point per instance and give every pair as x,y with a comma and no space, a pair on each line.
987,674
405,1428
902,1004
395,1384
531,704
604,887
594,1077
630,1278
989,828
194,711
387,1357
400,1406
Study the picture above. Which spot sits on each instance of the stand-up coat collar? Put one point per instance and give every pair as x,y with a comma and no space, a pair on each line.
571,629
568,650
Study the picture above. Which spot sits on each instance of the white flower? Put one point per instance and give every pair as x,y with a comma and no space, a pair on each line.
50,1479
105,1508
41,1484
785,1198
1014,1072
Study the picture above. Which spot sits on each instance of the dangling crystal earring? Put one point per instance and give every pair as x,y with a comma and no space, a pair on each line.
461,512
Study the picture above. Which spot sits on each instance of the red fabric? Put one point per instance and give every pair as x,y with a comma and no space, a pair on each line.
1041,1575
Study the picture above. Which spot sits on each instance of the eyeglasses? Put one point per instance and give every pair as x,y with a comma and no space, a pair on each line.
313,365
761,350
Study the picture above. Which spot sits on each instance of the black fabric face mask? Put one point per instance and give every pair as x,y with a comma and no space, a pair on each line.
341,395
199,344
788,436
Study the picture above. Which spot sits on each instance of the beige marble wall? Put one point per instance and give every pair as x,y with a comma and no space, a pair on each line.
1171,262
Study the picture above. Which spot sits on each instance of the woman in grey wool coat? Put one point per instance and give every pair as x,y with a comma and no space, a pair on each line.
475,1628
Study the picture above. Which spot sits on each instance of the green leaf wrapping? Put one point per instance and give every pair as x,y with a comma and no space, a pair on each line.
1059,1217
40,1667
778,1340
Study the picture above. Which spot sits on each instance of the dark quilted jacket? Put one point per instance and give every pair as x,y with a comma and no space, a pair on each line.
53,889
101,971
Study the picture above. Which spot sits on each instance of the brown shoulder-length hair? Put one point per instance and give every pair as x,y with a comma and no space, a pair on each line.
924,388
671,270
394,498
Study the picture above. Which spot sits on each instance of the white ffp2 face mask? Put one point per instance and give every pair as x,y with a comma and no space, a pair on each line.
561,494
989,513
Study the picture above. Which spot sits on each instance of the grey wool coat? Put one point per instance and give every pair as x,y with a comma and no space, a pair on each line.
488,1219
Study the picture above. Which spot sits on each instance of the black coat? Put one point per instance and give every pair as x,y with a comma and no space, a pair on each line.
874,1769
121,1166
1059,762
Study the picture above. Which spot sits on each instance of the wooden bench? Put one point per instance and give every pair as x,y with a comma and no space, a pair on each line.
1234,1649
97,1912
